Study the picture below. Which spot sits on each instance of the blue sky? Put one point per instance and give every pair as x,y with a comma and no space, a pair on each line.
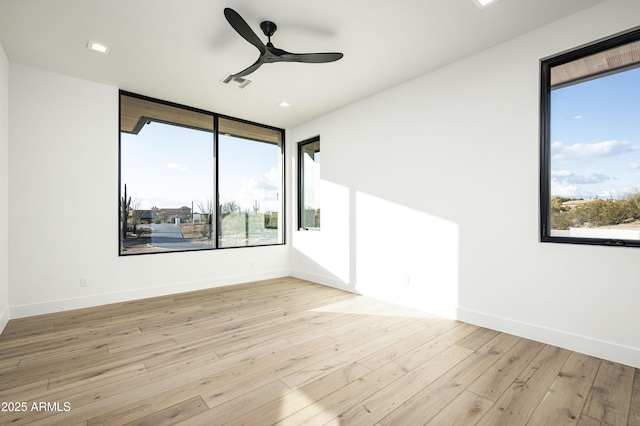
595,137
169,166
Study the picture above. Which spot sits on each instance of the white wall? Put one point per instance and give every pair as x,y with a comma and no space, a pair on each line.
4,189
430,199
63,146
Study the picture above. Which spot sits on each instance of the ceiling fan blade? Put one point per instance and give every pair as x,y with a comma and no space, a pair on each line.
314,58
257,64
242,28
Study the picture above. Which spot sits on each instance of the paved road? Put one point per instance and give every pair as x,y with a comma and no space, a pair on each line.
168,236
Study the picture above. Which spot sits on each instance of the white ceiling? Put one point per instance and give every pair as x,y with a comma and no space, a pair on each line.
181,50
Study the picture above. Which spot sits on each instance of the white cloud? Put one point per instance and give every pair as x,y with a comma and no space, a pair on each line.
611,193
565,183
560,186
272,175
178,167
564,190
264,192
255,191
577,117
589,150
565,177
634,166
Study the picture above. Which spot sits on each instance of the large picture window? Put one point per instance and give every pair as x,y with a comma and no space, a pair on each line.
309,184
192,180
590,144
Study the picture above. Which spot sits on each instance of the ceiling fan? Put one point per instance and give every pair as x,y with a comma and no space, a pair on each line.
269,53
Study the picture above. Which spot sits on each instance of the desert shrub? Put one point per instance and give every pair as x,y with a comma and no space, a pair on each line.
596,213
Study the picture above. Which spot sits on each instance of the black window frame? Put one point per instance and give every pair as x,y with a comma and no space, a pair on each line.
301,145
216,196
546,64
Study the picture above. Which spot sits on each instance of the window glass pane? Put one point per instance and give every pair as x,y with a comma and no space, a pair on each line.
593,147
309,163
166,173
185,186
250,184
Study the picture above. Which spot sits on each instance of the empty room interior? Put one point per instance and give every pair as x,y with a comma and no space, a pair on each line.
203,223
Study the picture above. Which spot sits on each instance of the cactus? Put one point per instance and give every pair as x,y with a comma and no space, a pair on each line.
125,206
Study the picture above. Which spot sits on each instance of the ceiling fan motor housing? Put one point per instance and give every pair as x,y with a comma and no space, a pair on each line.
268,28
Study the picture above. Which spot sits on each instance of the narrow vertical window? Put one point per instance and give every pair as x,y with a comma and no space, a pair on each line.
309,184
590,144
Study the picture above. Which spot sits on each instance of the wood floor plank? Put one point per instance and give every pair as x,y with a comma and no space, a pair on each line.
243,404
20,376
257,371
610,396
302,397
21,348
589,421
277,370
445,340
9,364
109,332
88,364
289,351
497,379
330,325
190,353
169,416
634,411
465,410
22,393
431,400
478,338
313,372
567,395
406,344
98,373
164,386
327,408
519,402
379,405
67,349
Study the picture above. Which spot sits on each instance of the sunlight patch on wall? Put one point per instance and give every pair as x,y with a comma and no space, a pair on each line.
406,256
329,247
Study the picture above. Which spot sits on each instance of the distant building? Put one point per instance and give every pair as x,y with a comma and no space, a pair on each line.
163,215
145,216
575,203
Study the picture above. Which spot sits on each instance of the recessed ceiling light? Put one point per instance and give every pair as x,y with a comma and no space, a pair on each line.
98,47
483,3
284,104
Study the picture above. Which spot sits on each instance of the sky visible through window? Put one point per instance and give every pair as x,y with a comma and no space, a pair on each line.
168,166
595,138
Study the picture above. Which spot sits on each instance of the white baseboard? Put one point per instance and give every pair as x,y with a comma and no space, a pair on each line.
321,279
48,307
4,319
587,345
583,344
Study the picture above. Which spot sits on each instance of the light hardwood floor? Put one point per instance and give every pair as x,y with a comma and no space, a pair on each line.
290,352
